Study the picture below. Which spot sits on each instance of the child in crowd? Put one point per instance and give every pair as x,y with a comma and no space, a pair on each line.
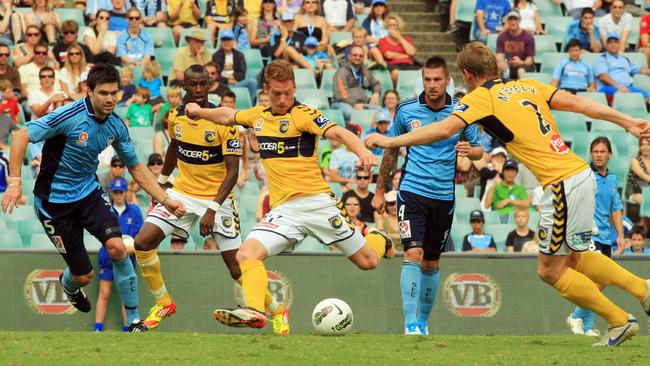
151,80
127,90
319,60
477,240
637,242
9,103
140,113
521,234
369,52
161,139
240,29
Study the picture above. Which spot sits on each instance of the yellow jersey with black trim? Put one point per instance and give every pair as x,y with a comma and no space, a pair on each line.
201,147
289,149
518,115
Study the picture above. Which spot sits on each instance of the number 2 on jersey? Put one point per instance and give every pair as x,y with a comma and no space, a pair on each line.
544,127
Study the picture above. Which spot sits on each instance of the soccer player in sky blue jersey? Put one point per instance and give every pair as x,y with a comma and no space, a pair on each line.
68,197
426,192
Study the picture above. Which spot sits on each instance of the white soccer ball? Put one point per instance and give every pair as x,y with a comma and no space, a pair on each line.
129,242
332,317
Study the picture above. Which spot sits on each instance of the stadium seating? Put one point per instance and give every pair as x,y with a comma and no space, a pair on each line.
465,10
545,43
334,115
642,82
363,117
492,41
637,58
162,37
41,241
458,232
460,191
570,124
243,97
10,239
500,233
254,63
556,27
596,96
539,76
165,57
550,60
315,98
465,205
384,79
548,8
70,14
645,202
406,82
630,103
336,37
20,213
27,228
305,79
326,82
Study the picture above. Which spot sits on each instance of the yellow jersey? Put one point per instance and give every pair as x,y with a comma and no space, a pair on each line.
518,114
201,147
288,146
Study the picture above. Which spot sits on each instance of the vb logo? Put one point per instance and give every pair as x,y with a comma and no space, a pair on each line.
44,293
472,294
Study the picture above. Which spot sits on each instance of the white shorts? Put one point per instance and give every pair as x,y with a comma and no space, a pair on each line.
319,216
226,230
567,215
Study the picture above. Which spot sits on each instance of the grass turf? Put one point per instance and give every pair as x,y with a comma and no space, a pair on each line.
112,348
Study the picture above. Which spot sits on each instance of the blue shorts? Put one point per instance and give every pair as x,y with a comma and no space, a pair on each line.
106,265
424,222
611,90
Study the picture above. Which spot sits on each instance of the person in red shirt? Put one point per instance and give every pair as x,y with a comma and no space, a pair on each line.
9,103
397,49
644,36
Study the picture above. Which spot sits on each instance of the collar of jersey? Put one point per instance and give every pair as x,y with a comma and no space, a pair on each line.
448,102
490,83
91,112
591,165
296,103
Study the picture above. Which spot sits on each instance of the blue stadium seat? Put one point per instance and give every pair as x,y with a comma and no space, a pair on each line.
315,98
20,213
165,57
642,82
619,165
637,58
42,241
458,232
545,43
336,37
91,243
27,228
162,37
550,60
384,78
645,202
539,76
465,10
630,103
596,96
254,62
492,41
70,14
333,115
10,239
326,82
243,97
633,39
500,233
570,124
465,205
406,82
548,8
556,27
363,117
460,191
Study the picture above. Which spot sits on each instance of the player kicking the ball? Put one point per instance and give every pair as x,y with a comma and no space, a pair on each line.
207,157
301,202
518,114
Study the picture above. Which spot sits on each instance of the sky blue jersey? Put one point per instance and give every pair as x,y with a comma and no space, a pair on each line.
607,201
429,170
74,137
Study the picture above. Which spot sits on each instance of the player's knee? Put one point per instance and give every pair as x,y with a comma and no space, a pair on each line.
546,274
83,280
116,248
413,254
243,255
368,263
429,265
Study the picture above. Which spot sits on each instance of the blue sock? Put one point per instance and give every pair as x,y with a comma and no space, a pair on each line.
588,320
99,327
410,285
429,283
68,283
127,285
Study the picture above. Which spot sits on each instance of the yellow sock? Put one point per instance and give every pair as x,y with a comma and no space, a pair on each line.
269,301
150,264
604,271
377,243
580,290
254,282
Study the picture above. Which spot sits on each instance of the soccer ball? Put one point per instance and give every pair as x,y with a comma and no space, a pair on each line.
332,317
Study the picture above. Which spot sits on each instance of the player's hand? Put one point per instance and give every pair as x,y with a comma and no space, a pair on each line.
620,242
379,201
206,225
175,207
11,198
641,129
375,140
463,148
191,109
366,160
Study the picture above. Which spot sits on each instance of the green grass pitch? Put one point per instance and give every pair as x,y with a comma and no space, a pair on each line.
157,348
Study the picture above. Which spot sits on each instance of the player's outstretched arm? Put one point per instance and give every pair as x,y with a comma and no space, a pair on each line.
13,193
421,136
353,143
387,161
147,181
222,115
232,173
169,164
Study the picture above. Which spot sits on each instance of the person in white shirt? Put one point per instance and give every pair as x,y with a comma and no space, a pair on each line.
574,7
339,15
618,21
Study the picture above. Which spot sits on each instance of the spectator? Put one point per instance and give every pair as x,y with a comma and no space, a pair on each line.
288,6
342,164
395,180
116,171
389,104
350,84
585,31
135,192
11,23
240,28
489,174
9,103
361,192
515,49
153,11
575,8
318,60
572,74
618,21
374,23
23,53
130,219
232,64
69,32
531,246
161,139
135,45
521,234
218,16
389,222
529,16
639,175
8,72
43,17
118,22
506,195
353,208
193,53
265,32
93,6
182,14
359,36
614,72
397,49
637,242
644,36
229,99
7,128
127,89
326,156
489,17
140,113
29,73
217,89
383,120
477,240
339,14
151,80
292,47
47,98
101,41
309,22
71,73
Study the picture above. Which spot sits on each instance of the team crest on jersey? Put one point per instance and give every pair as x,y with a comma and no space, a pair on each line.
460,107
58,243
415,124
336,221
178,131
83,139
284,126
259,124
542,233
226,221
209,136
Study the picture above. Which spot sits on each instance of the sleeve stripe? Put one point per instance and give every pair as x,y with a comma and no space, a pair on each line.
64,116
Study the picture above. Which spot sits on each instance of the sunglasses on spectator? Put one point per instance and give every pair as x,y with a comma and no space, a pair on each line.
4,55
104,18
74,53
117,165
154,163
40,53
33,34
67,33
310,2
352,204
134,18
364,177
48,76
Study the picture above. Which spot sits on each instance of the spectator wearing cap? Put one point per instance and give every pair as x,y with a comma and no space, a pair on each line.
515,48
232,64
351,83
363,178
374,23
342,168
339,14
382,121
585,31
135,46
614,71
489,173
155,165
116,171
505,195
318,60
69,32
182,14
489,17
573,74
388,222
478,240
130,216
617,21
194,53
292,42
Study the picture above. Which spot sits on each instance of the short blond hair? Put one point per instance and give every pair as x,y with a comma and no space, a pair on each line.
279,70
397,18
5,84
175,91
151,70
358,30
477,59
127,70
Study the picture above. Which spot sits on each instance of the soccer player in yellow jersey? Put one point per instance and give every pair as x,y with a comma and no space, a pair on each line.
207,157
518,114
301,202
